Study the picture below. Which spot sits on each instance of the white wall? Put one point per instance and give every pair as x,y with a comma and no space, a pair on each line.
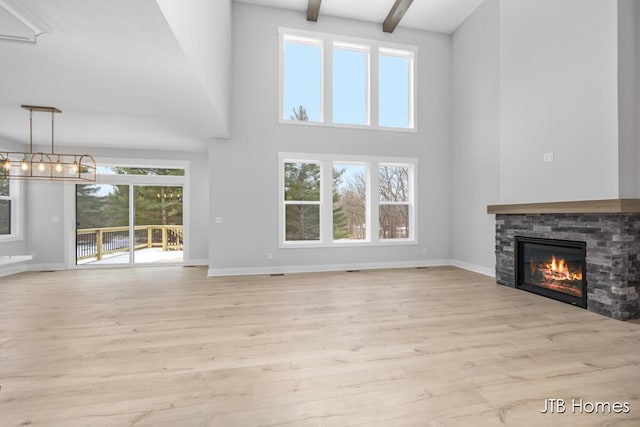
244,170
46,200
627,100
475,138
636,15
45,235
203,30
558,93
17,247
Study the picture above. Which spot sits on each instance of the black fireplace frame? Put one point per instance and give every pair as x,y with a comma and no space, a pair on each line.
550,293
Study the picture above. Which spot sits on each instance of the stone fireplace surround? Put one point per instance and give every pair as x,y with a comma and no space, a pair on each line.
611,230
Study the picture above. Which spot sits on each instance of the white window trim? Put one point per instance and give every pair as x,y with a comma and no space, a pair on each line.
284,203
411,108
371,163
17,210
326,74
309,40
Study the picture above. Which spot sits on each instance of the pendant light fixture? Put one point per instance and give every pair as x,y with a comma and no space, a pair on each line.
46,166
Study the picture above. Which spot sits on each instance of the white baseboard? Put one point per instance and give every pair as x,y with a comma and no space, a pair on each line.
196,262
475,268
46,267
248,271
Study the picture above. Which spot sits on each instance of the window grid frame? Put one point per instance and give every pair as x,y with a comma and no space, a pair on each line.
286,203
303,40
411,95
375,48
372,164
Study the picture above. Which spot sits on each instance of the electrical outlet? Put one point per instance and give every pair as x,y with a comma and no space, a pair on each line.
218,220
269,255
548,157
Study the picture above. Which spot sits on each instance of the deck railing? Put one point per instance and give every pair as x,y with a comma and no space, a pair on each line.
98,242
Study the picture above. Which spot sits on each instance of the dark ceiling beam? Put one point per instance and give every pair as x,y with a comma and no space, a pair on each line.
395,15
313,10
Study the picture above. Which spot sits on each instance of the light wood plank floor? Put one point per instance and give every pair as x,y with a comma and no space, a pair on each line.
424,347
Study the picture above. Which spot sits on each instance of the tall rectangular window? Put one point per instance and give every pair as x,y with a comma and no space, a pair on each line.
349,201
350,84
395,92
394,191
302,201
302,79
9,209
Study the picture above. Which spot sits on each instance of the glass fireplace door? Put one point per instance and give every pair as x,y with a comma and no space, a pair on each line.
553,268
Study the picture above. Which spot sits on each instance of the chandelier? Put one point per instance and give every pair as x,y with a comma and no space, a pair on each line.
46,166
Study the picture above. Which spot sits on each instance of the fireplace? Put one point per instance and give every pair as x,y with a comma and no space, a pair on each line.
552,268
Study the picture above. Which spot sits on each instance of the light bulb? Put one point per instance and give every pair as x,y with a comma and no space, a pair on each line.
7,164
24,165
58,166
74,167
41,166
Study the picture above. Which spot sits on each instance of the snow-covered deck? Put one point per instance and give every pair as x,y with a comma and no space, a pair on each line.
141,256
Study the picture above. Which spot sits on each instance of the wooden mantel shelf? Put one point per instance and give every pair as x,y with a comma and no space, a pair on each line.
581,206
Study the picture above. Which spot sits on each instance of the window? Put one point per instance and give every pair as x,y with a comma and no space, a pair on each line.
349,201
142,170
9,209
395,93
394,190
326,79
302,78
350,84
326,200
302,201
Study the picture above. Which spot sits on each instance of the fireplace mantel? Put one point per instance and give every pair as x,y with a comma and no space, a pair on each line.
608,206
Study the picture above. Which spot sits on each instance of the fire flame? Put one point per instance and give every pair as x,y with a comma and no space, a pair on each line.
557,269
560,267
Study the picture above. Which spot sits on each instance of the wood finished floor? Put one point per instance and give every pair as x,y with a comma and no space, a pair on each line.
424,347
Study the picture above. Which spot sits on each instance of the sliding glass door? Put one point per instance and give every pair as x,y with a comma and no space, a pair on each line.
129,224
102,224
158,224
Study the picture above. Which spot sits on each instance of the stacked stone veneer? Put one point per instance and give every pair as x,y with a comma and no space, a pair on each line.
613,254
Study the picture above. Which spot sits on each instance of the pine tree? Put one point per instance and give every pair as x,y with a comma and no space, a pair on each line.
302,183
340,230
299,114
89,207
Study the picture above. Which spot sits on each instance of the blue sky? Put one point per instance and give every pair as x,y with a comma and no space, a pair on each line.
349,87
302,75
302,85
393,94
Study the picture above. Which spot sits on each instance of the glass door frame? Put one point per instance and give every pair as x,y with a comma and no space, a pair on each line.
131,181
